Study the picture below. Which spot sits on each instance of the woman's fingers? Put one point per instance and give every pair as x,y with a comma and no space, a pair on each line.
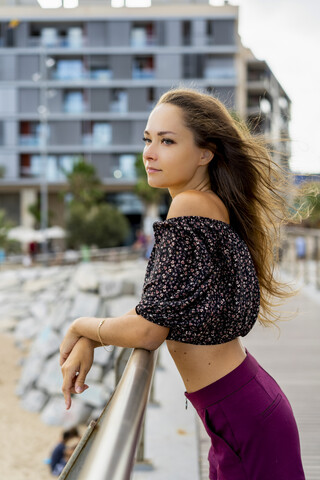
68,343
75,368
69,379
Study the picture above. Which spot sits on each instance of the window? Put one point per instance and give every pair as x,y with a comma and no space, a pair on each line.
142,34
219,67
119,101
143,67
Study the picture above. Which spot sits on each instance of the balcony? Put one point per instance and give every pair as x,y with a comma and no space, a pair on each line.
74,102
143,35
69,70
98,136
52,37
56,167
143,68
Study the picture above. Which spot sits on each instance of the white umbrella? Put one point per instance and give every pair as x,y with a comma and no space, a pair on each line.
54,232
25,234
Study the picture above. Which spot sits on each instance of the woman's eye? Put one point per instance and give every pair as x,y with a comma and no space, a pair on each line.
146,140
167,141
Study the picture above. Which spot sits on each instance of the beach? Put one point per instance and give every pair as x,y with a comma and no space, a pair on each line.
25,441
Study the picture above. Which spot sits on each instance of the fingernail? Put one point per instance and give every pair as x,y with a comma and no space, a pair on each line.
78,389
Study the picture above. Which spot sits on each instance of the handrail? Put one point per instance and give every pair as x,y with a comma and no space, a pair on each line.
112,453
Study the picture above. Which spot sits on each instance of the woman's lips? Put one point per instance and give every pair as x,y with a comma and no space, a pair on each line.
152,170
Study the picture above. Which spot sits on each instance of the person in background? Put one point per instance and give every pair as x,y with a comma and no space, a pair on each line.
62,450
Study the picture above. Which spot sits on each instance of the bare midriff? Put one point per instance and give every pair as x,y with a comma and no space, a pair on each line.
201,365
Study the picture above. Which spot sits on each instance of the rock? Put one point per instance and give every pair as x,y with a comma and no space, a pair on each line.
110,287
50,378
96,395
59,314
8,324
129,287
46,343
104,310
34,401
34,286
26,329
85,305
9,279
39,310
122,305
70,291
31,370
103,357
95,374
86,278
55,413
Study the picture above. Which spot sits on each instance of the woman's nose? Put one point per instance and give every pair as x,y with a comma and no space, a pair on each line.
150,152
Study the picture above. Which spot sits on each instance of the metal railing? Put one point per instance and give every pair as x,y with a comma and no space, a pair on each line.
112,452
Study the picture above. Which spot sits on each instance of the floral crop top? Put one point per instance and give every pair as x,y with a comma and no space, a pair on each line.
200,281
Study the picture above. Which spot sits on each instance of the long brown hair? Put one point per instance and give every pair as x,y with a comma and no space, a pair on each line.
252,186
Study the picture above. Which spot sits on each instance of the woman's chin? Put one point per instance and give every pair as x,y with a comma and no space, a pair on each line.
154,184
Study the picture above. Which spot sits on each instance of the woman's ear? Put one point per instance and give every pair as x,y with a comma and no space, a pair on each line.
206,157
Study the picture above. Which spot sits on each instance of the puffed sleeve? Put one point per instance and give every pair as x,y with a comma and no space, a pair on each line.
176,277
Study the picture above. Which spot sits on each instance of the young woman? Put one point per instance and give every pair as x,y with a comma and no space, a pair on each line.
209,277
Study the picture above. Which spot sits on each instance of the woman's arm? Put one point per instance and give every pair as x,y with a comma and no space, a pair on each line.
76,351
129,330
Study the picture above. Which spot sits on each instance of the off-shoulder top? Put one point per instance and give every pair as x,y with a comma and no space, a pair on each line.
200,281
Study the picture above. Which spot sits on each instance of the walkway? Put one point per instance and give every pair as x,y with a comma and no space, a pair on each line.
294,361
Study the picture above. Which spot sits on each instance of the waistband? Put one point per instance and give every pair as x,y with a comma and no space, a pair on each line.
226,385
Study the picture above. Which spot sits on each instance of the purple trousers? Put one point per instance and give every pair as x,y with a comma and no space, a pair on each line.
254,435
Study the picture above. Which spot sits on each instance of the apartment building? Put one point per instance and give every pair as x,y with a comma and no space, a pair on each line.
80,83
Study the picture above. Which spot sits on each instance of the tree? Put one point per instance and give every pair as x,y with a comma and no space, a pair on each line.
90,221
309,202
35,210
101,225
84,185
10,246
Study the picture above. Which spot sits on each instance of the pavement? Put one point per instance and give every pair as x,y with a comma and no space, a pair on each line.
293,359
171,441
176,445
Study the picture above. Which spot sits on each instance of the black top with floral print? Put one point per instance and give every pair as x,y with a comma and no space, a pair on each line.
200,281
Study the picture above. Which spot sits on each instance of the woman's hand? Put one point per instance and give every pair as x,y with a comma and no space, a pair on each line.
69,341
75,368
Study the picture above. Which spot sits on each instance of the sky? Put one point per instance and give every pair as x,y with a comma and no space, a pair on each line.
286,33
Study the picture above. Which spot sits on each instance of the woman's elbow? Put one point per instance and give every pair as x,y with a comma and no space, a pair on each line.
154,337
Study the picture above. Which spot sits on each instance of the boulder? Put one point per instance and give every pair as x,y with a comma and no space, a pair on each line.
122,305
86,278
34,400
110,287
31,370
50,379
85,305
55,413
96,395
26,329
46,343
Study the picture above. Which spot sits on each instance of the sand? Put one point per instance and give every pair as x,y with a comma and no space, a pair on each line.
25,441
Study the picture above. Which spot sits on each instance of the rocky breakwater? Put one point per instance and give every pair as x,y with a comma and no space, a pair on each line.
38,304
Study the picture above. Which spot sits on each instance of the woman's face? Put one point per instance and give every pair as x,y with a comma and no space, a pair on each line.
171,158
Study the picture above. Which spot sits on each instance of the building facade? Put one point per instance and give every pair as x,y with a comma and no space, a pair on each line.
80,83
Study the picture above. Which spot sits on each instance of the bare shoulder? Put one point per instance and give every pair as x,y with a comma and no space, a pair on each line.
195,203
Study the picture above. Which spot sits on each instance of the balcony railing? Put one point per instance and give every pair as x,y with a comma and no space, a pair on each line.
117,432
